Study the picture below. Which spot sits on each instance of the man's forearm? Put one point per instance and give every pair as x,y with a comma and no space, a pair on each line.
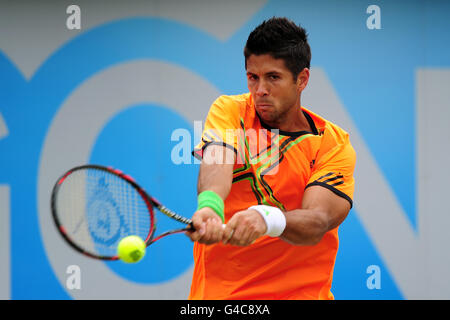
305,227
217,176
322,211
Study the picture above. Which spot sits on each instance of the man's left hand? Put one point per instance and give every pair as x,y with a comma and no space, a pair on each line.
244,228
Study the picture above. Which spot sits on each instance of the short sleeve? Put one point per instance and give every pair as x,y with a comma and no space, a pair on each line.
221,126
334,171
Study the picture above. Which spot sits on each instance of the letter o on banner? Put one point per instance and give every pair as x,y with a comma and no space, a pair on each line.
69,142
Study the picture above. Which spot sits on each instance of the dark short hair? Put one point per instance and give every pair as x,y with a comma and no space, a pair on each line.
282,39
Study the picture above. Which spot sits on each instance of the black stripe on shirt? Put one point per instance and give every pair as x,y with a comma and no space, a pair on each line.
332,189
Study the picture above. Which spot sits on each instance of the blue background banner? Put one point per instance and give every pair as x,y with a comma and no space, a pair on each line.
373,73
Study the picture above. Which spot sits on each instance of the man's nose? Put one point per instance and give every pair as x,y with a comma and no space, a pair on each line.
261,89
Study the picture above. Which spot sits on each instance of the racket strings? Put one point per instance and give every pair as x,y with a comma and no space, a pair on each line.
98,209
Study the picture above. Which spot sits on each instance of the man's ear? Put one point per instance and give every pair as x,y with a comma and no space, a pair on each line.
302,79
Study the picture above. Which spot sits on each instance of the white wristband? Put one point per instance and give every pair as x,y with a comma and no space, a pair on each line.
274,218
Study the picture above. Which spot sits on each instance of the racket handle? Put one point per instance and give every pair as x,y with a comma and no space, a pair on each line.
191,226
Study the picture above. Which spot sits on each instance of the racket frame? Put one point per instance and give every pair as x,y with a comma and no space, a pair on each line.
149,201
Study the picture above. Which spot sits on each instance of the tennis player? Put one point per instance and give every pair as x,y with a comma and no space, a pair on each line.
277,174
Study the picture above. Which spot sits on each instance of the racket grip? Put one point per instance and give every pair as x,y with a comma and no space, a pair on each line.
191,226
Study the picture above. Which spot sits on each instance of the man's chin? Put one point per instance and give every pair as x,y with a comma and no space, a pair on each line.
268,120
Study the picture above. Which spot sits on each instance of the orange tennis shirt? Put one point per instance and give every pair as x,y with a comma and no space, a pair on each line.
274,168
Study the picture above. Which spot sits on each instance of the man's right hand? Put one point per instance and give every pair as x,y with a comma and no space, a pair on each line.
208,227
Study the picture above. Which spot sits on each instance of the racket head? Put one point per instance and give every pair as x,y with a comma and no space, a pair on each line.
94,207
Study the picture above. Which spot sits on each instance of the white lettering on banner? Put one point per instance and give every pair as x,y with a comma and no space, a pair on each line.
3,128
5,227
433,159
5,243
419,261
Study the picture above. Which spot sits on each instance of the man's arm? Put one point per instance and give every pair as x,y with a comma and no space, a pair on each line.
216,174
322,210
216,170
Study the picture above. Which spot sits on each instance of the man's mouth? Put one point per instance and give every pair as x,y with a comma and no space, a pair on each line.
263,106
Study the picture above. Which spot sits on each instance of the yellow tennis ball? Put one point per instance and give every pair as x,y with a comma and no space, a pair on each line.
131,249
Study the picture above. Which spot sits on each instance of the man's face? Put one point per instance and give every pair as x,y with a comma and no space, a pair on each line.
275,92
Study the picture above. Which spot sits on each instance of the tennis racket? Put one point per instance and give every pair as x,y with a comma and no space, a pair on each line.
94,207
